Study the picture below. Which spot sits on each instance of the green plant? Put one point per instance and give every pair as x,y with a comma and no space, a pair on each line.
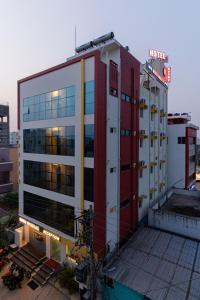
3,243
10,200
66,279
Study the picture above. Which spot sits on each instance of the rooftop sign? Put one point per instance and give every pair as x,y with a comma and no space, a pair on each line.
165,78
158,55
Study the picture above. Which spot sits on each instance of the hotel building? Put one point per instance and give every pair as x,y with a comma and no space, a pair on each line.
152,134
79,146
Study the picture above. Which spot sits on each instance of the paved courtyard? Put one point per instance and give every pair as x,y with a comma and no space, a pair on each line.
49,291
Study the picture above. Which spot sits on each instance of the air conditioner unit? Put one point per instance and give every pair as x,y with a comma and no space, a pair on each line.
142,163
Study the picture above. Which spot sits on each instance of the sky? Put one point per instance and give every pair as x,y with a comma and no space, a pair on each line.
38,34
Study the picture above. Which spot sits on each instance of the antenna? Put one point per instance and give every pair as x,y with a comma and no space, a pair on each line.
75,39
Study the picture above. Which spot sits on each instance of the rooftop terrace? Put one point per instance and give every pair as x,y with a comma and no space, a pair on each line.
160,265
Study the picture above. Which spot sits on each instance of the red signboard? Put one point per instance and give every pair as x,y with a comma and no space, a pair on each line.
167,74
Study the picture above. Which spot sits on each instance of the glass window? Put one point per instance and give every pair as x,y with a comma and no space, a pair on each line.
181,140
89,140
89,184
125,203
49,212
54,177
123,97
59,103
54,140
89,97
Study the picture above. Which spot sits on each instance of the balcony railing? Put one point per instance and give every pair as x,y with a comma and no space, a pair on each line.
6,166
6,187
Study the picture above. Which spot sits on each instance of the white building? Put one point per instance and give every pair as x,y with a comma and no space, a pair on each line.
153,135
181,150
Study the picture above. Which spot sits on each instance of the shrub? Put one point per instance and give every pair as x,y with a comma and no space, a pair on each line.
66,279
3,243
10,200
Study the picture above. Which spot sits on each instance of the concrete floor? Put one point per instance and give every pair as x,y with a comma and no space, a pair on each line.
160,265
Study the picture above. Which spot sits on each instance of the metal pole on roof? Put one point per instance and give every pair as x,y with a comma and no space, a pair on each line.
75,39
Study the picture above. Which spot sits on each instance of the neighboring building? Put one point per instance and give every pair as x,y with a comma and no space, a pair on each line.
6,166
4,125
198,153
182,139
14,138
14,173
152,134
78,126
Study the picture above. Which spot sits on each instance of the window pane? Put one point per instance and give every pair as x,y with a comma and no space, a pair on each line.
89,184
48,176
89,97
55,104
89,140
57,141
50,212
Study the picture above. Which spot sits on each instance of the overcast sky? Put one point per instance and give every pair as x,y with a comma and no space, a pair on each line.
38,34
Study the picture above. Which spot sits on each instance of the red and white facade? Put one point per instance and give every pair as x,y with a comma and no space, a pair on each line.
182,139
152,133
116,75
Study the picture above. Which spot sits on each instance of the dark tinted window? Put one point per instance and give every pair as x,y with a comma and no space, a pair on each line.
55,140
53,177
181,140
52,213
89,140
89,184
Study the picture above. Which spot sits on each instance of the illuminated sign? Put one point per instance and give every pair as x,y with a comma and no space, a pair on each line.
55,237
22,220
29,224
167,74
166,78
158,55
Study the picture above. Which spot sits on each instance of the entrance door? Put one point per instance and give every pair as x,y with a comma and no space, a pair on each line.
55,250
38,241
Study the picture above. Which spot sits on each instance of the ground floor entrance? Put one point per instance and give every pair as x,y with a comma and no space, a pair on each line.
46,243
38,241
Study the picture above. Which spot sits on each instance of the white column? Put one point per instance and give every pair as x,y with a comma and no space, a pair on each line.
62,250
26,233
18,237
48,246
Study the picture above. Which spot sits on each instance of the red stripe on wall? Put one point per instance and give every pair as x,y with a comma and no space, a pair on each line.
100,158
130,80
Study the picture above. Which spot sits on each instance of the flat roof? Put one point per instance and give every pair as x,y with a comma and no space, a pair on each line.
160,265
183,204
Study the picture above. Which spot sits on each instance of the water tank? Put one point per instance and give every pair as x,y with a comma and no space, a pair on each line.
84,47
103,38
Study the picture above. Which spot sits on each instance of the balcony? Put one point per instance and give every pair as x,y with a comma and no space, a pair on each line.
6,166
6,187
